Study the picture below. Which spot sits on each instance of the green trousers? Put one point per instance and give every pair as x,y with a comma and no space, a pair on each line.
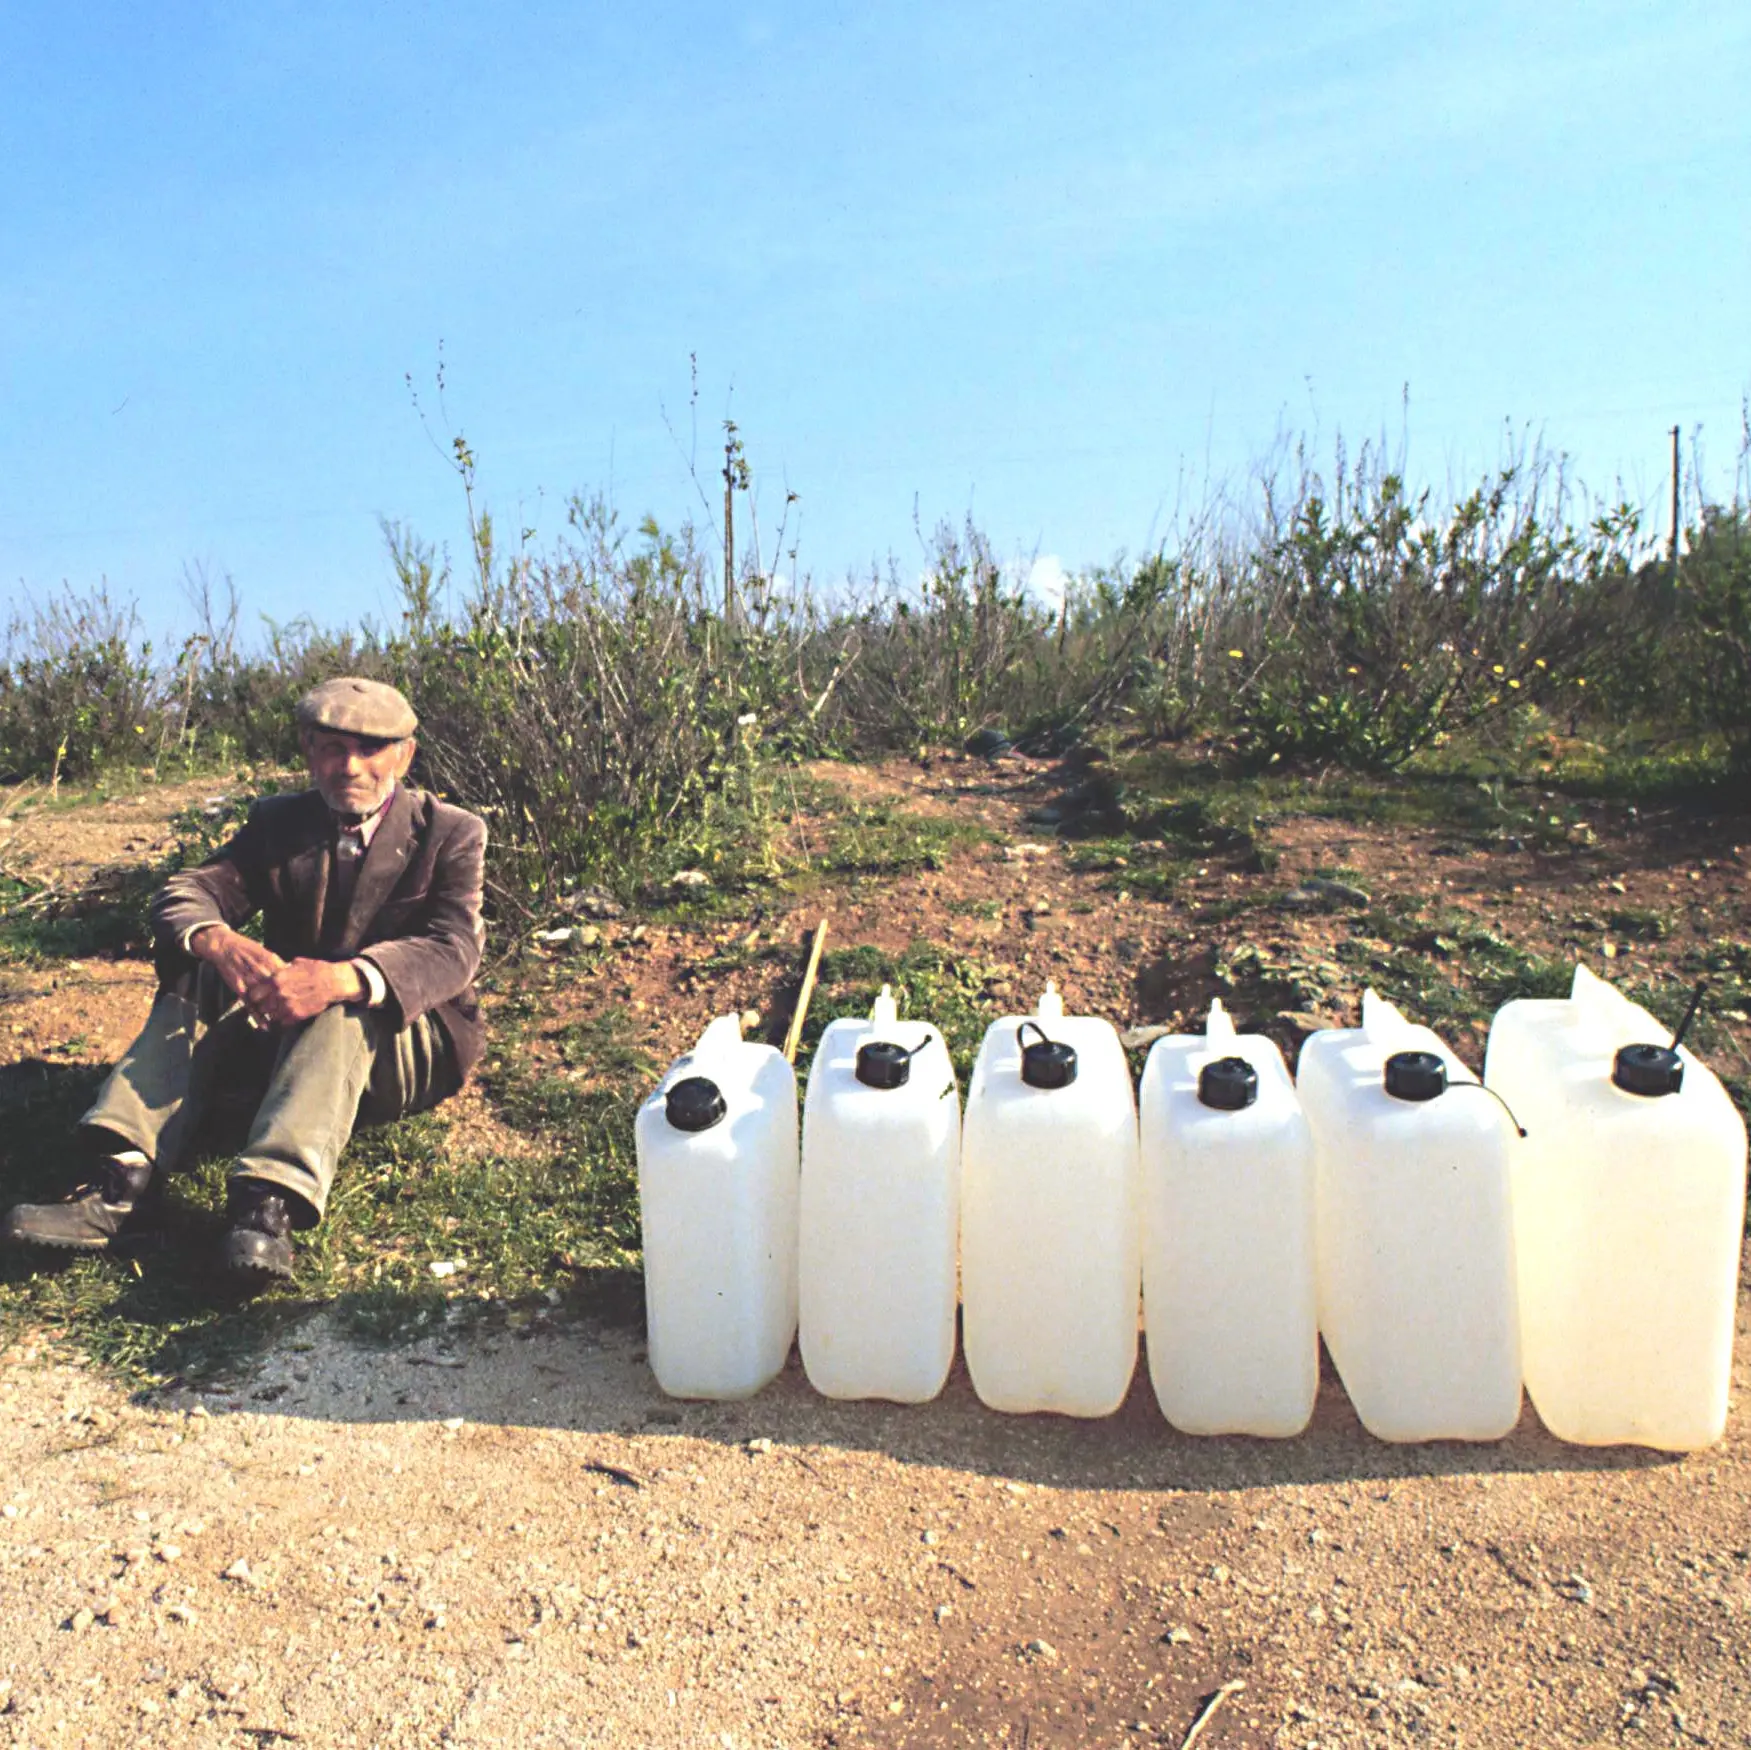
308,1086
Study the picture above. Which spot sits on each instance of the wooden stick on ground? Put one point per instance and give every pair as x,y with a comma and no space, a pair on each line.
1209,1712
794,1037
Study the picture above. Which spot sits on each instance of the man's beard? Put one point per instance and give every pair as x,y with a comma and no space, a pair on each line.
344,807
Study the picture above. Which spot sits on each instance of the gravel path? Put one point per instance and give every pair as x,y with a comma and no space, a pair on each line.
511,1537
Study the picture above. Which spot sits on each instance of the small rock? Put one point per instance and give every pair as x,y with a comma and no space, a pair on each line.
240,1571
931,1537
554,938
944,1612
1177,1636
760,1444
182,1613
690,879
593,902
1020,852
169,1552
1040,1650
750,1021
455,1423
81,1620
1318,893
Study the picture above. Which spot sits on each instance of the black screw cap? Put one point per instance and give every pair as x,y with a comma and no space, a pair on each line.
883,1064
1230,1084
1415,1075
1048,1063
694,1103
1650,1070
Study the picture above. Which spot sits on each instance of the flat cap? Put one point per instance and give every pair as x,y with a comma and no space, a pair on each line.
358,707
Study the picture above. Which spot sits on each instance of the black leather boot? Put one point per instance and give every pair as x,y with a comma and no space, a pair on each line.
258,1244
89,1217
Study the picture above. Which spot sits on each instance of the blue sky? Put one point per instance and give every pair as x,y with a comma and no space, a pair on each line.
1059,267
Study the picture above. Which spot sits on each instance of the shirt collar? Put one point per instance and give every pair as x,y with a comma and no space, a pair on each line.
365,829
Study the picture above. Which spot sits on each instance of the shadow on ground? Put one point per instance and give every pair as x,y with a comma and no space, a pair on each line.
591,1376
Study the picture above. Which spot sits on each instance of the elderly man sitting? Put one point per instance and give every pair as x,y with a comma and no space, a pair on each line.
356,1007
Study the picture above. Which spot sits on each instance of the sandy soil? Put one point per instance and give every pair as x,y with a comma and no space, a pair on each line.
509,1539
504,1536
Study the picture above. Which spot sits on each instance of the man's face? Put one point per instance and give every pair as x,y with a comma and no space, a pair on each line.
355,773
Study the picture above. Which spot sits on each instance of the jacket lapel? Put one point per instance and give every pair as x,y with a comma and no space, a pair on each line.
384,862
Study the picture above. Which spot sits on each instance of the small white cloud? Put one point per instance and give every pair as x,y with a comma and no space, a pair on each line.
1047,580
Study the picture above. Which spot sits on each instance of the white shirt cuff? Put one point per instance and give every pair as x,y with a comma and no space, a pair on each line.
376,985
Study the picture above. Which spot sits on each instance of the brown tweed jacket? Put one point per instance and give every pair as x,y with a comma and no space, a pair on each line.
415,911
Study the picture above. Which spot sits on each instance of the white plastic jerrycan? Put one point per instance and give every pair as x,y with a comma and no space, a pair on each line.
1629,1207
1414,1225
880,1209
1229,1306
1050,1252
717,1191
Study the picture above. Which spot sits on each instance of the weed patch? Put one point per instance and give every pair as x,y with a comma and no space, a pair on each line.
930,983
883,839
414,1238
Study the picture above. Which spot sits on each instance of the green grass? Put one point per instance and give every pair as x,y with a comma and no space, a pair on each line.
931,983
515,1225
1204,807
963,906
885,839
796,837
38,926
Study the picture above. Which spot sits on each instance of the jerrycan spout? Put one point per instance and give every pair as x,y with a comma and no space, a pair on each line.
1218,1026
1051,1003
884,1012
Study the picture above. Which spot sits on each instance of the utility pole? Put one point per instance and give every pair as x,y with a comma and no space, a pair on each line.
1674,504
729,522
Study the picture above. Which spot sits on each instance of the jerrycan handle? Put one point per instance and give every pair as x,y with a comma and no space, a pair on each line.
1382,1021
722,1034
1690,1015
1598,1004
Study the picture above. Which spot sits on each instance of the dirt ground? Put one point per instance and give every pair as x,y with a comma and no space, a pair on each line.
511,1537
